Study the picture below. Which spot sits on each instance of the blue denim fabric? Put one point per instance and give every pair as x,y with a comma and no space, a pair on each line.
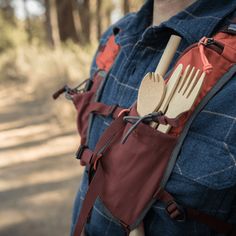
204,176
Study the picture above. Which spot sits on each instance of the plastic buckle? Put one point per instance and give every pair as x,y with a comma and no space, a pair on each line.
176,211
80,151
88,85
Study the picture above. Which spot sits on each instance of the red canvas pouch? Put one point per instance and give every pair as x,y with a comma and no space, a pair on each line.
127,176
83,102
133,168
122,167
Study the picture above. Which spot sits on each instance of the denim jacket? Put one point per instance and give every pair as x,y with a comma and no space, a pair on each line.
204,176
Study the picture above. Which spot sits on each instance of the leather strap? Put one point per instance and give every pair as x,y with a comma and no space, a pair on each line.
90,198
180,213
217,225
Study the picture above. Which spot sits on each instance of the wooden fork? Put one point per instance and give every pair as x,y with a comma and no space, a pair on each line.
185,95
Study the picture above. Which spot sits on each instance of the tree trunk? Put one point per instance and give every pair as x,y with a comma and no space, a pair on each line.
126,6
51,23
99,18
67,27
77,21
7,11
84,13
48,25
108,17
27,22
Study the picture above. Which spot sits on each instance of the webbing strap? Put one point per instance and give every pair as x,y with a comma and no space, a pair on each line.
105,110
177,212
217,225
90,198
84,154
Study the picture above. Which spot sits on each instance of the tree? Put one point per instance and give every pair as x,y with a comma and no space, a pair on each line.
66,23
7,11
99,18
126,6
85,19
28,27
51,23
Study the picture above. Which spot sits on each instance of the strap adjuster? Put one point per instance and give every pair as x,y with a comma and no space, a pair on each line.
112,109
80,151
176,211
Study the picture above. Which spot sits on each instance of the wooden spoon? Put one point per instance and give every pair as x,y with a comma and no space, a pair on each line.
152,89
170,90
151,94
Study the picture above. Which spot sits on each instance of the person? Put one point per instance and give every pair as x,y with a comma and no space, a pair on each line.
204,175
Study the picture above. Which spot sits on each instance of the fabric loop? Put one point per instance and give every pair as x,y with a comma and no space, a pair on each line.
84,154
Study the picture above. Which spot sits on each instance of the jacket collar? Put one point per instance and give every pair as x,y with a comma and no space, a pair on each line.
198,20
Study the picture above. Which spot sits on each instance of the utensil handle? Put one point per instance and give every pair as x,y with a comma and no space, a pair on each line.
168,55
139,231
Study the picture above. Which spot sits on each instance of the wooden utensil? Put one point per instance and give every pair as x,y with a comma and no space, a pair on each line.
151,94
170,89
185,95
152,89
139,231
168,55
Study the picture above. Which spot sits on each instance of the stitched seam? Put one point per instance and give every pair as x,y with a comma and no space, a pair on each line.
159,208
231,127
127,45
180,171
108,227
202,17
230,153
154,49
106,123
215,172
102,214
219,114
122,84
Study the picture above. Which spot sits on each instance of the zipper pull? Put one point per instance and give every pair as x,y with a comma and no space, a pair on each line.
208,41
207,67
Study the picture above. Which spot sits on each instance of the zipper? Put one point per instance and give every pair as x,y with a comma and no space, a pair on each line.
214,45
211,43
205,42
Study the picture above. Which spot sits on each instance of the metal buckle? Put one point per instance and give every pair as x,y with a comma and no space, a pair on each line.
80,151
180,215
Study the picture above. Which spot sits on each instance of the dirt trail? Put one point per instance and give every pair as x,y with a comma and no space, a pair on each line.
38,175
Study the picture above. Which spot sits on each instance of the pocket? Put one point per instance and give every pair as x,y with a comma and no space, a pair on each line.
134,168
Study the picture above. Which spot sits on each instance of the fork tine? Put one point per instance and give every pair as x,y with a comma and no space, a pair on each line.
194,93
193,83
183,78
188,81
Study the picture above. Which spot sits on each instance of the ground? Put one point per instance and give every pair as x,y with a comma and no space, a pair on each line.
38,175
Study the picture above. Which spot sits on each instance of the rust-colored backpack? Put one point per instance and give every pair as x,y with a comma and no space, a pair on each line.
129,176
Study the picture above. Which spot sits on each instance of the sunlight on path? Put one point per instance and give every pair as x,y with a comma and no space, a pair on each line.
38,175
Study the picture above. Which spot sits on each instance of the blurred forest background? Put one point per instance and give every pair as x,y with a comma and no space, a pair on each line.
44,44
